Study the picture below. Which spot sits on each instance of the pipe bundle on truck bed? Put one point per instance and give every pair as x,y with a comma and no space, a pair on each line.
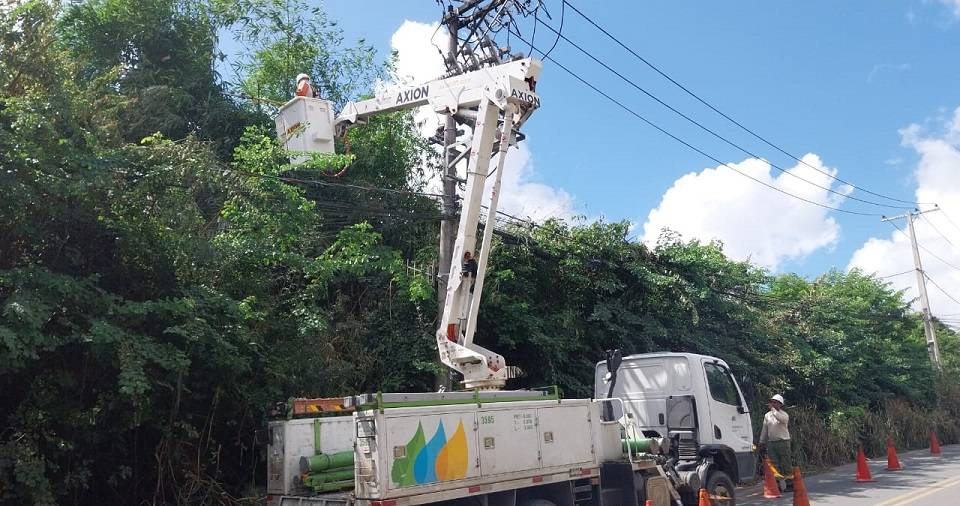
325,461
326,472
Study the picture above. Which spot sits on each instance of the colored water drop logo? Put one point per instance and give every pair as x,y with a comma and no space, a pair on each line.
452,461
424,469
439,459
402,470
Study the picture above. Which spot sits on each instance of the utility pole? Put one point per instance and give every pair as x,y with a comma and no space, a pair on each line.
933,348
448,227
462,55
477,19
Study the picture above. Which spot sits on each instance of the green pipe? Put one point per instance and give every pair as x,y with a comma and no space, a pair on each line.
314,479
326,461
334,485
636,445
343,473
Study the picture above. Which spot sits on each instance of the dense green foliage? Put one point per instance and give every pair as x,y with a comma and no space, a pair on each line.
160,286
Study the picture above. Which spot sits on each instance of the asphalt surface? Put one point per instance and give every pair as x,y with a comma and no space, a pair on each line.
925,480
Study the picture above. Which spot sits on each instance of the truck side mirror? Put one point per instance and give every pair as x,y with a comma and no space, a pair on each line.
741,410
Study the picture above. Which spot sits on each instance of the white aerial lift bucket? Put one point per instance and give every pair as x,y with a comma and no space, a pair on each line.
306,125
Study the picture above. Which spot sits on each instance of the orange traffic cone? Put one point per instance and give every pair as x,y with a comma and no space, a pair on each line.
770,488
934,444
704,498
863,470
800,497
893,463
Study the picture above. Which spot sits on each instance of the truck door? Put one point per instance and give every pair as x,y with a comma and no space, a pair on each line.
729,424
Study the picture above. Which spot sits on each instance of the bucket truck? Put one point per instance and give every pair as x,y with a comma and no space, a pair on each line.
502,448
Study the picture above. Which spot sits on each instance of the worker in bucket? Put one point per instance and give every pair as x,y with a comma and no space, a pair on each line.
305,88
775,436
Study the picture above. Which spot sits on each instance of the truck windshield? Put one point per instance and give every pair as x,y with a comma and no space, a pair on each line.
722,388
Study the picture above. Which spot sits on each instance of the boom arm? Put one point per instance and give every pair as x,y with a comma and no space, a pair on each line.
501,93
448,96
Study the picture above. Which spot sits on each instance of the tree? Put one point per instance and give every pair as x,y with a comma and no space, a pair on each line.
160,57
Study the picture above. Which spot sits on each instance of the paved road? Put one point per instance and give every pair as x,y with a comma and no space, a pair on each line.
924,481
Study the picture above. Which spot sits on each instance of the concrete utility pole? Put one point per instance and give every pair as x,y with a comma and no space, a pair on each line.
448,227
476,18
933,348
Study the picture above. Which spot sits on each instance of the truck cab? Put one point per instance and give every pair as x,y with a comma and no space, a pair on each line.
693,400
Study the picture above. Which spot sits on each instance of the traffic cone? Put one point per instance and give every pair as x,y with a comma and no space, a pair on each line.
934,444
649,502
770,488
863,470
704,498
800,497
893,463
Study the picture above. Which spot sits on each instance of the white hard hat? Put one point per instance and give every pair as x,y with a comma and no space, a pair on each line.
301,77
778,398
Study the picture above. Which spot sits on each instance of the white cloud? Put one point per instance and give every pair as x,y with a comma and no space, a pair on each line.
419,60
751,220
897,67
525,198
954,4
938,180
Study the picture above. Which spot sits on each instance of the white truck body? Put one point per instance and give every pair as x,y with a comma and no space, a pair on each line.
414,455
422,454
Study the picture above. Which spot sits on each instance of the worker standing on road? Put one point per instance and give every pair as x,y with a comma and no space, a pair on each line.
305,88
775,435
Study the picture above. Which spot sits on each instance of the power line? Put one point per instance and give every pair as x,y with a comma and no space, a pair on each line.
924,248
895,275
937,230
706,128
938,257
345,208
563,12
333,206
687,144
727,117
353,186
950,220
934,283
289,179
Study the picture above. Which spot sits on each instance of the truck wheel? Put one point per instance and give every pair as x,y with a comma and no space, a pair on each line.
720,485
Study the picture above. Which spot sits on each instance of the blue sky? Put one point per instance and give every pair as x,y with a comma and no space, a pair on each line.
838,79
